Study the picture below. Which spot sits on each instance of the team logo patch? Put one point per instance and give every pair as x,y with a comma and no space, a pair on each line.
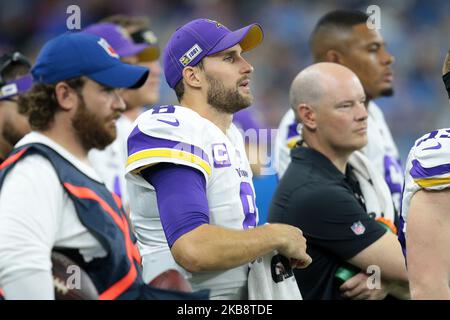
9,90
190,55
218,24
358,228
220,155
107,47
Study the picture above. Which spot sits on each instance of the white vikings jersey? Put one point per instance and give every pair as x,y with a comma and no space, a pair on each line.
380,149
179,135
427,167
287,137
110,162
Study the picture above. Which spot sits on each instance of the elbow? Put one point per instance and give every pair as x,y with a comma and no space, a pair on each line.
187,256
430,288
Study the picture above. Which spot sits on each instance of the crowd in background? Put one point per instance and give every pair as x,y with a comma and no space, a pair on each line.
416,33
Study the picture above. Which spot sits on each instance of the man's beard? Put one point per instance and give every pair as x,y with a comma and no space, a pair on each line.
226,100
11,134
389,92
91,130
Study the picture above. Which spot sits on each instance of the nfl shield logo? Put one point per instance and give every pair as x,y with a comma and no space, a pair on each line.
358,228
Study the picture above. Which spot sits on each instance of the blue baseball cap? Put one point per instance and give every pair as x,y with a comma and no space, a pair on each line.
79,54
117,37
204,37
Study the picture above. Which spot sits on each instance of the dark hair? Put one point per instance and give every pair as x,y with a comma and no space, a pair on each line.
343,18
179,88
335,21
40,103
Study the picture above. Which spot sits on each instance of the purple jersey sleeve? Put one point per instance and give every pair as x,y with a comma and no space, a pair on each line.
245,120
181,196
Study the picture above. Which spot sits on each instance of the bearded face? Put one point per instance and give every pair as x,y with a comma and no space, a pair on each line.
228,100
92,130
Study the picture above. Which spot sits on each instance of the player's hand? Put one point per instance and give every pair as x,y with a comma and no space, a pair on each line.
446,66
356,288
293,245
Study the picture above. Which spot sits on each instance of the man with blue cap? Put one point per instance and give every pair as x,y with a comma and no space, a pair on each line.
51,198
191,194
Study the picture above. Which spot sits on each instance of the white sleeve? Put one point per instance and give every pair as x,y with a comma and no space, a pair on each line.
154,140
30,208
430,160
287,137
38,286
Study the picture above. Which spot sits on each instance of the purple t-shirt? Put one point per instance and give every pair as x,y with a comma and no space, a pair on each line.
181,196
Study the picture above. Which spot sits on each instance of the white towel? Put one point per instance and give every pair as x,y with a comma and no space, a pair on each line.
376,192
271,278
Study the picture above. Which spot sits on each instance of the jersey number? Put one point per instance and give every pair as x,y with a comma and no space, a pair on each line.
249,205
163,109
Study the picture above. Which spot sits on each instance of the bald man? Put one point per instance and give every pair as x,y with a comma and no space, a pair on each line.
343,37
320,195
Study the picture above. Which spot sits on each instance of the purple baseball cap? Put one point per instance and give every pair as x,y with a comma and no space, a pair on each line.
117,37
16,87
204,37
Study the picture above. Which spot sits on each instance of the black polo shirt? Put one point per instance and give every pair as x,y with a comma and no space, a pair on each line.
327,206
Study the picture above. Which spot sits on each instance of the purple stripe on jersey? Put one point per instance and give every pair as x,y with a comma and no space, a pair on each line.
419,172
138,141
116,186
292,130
182,206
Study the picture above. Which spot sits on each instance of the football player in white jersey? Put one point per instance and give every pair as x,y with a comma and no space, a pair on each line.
343,37
425,210
191,193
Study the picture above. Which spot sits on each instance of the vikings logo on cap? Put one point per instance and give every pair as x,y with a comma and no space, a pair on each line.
218,24
124,33
109,50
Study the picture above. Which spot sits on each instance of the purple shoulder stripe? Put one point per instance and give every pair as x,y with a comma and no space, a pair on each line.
138,141
419,172
292,130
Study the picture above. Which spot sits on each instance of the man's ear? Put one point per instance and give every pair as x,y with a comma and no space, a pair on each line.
65,96
306,115
333,56
191,76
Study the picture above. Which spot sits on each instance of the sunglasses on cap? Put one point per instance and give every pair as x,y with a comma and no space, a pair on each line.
15,58
151,53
